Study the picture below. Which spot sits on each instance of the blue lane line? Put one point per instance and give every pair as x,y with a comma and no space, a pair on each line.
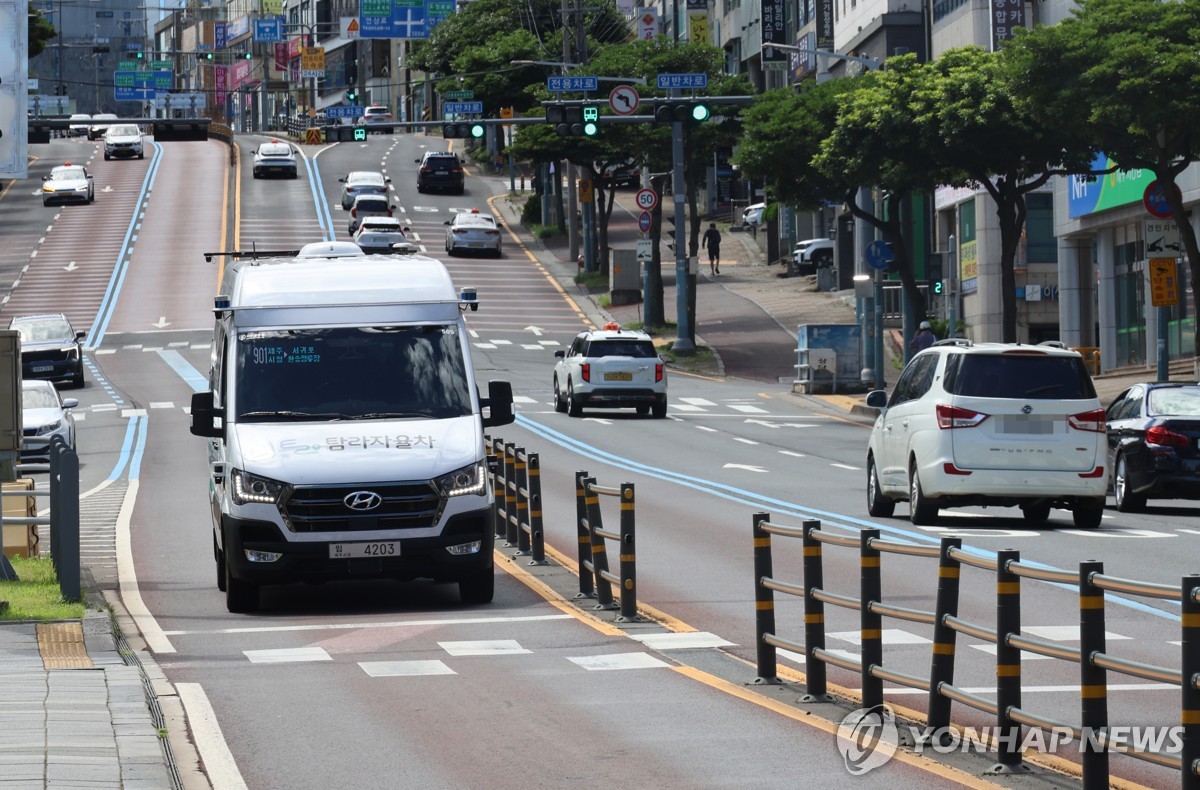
100,324
326,229
135,460
192,377
743,496
322,203
126,446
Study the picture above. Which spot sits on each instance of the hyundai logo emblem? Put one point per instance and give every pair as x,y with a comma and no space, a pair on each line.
363,500
1026,409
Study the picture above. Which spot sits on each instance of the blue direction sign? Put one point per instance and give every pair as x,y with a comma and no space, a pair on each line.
394,18
668,81
268,30
559,84
140,85
462,107
352,111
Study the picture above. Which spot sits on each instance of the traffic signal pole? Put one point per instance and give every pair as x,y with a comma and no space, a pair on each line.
685,283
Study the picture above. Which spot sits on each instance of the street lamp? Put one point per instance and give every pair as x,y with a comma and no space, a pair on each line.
564,66
872,64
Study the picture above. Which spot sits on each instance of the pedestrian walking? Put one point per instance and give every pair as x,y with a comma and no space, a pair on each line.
712,242
923,339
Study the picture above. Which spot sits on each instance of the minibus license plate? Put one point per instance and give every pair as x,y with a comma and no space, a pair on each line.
350,551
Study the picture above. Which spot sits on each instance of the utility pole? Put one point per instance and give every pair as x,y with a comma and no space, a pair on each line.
572,231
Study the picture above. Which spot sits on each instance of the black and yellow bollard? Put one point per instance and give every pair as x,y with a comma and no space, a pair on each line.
1190,664
870,622
1093,680
814,616
764,603
941,667
1008,663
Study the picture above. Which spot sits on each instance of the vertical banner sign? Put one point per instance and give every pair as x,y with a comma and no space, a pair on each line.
804,63
824,27
1007,15
774,31
697,26
221,78
220,36
647,23
281,56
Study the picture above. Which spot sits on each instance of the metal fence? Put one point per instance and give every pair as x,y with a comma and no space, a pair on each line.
517,483
63,518
1090,582
594,573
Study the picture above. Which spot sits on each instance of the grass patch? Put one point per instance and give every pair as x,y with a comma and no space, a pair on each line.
36,595
591,280
543,231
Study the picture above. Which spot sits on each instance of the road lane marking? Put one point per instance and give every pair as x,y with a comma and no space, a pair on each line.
484,647
388,624
618,661
287,655
219,765
399,669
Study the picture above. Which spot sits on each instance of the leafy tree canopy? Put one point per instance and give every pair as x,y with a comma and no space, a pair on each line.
40,32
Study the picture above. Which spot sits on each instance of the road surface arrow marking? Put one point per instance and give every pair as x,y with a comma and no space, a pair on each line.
72,266
537,330
746,467
162,322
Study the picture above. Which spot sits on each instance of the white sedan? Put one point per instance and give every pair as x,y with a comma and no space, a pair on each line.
471,230
44,415
68,184
275,158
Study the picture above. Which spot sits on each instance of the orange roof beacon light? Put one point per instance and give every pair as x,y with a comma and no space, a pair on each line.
613,325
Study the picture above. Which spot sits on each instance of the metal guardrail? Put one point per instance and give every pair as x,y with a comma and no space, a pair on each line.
594,573
1092,657
517,483
63,519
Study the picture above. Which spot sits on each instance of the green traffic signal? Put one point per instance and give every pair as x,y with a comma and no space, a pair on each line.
477,130
140,56
700,112
591,128
248,56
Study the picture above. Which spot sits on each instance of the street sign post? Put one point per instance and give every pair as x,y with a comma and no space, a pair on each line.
624,100
646,199
1162,238
462,108
644,222
268,30
1164,284
1155,200
669,81
559,84
312,62
645,249
879,254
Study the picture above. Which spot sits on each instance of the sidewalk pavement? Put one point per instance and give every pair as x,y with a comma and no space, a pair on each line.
77,710
749,314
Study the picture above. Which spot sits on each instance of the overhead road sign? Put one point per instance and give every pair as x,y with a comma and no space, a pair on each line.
560,84
458,95
624,100
682,81
350,111
462,107
394,19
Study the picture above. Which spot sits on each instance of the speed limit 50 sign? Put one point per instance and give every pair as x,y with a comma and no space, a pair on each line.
647,199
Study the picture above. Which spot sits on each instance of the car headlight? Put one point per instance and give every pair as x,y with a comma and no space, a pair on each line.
248,488
69,352
47,188
81,188
470,479
49,427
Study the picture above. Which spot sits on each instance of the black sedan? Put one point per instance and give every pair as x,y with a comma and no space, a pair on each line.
1154,443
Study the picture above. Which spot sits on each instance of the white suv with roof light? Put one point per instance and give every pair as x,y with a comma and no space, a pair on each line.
992,424
613,368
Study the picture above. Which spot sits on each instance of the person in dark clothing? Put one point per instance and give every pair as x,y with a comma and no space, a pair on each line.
712,243
923,339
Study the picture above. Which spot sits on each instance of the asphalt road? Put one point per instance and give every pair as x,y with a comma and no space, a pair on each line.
362,684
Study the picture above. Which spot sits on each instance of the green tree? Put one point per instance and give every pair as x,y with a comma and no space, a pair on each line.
40,32
982,132
1124,74
876,143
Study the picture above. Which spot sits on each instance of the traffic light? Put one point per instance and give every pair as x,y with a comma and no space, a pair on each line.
573,120
456,131
477,130
206,56
248,55
682,110
139,55
351,96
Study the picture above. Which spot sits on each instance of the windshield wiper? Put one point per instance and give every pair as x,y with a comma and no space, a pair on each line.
391,415
297,415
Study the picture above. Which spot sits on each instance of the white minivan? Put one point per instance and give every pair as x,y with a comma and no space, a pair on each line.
345,427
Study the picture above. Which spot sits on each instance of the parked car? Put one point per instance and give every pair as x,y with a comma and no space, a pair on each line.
51,349
123,140
994,424
610,368
100,125
812,254
68,183
275,158
1154,443
471,230
440,170
362,182
44,415
368,206
752,215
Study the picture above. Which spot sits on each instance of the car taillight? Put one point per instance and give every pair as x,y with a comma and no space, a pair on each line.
354,212
426,169
1092,421
456,169
491,233
585,371
958,417
1166,437
658,372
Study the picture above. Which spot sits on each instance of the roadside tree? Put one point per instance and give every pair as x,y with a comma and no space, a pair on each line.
1124,74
